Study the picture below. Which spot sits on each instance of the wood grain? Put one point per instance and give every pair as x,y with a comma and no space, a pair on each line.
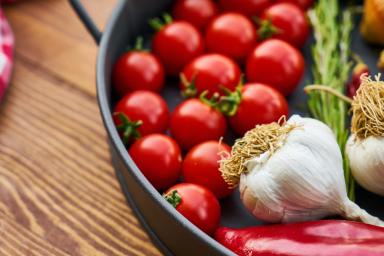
58,192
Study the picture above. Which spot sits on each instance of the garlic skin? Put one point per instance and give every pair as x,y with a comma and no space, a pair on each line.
302,180
366,158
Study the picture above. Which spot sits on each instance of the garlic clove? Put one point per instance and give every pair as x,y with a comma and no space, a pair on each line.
366,157
257,208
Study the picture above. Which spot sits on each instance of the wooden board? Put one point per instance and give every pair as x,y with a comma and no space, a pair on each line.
58,192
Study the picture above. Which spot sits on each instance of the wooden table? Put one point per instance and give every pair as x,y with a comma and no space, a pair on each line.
58,191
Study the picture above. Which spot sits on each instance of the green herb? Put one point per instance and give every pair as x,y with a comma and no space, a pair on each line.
331,55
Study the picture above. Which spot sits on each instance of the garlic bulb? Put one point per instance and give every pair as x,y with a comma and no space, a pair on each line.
291,172
365,146
366,158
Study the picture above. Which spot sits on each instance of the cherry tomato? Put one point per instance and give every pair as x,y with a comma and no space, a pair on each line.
201,167
209,72
196,12
303,4
276,63
231,34
260,104
194,122
138,70
144,106
289,21
197,204
247,7
360,69
159,158
176,44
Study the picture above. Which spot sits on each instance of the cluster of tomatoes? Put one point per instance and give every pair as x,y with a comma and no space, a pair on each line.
207,44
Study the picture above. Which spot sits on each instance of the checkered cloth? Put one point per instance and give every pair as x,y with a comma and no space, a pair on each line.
6,53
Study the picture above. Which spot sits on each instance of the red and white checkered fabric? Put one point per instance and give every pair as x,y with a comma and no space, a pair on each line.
6,53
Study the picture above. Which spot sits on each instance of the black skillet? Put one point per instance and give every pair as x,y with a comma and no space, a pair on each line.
170,231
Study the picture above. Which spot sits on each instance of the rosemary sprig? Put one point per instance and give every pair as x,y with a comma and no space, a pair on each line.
331,55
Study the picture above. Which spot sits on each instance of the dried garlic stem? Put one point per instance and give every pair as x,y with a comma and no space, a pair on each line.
368,108
316,87
262,138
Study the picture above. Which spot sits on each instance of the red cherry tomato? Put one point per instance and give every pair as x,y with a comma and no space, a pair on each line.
260,104
194,122
303,4
247,7
360,69
231,34
209,72
159,158
144,106
176,44
138,70
201,167
276,63
290,21
197,204
196,12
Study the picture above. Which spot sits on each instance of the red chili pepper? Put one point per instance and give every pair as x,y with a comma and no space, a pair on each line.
315,238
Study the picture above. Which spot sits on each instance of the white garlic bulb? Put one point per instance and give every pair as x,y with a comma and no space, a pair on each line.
365,146
300,178
366,158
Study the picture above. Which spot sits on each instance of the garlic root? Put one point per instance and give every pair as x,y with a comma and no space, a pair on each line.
368,108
